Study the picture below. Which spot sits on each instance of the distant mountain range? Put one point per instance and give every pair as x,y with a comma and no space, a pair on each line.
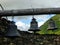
44,27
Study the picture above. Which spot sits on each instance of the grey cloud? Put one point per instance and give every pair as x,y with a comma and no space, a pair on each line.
45,3
24,4
15,4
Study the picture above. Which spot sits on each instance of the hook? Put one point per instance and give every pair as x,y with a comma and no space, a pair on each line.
12,18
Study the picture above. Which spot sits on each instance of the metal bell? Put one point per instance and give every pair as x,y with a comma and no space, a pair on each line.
3,26
52,25
12,30
34,25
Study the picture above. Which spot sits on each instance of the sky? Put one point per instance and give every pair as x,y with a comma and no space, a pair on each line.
23,22
24,4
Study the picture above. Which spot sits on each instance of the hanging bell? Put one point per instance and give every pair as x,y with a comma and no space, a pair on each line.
52,25
3,26
34,25
12,30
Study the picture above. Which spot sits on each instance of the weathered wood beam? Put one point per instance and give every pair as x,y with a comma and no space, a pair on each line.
35,11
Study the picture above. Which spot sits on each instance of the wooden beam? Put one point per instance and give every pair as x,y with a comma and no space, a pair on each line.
35,11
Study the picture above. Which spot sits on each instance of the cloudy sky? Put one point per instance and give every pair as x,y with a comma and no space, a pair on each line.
24,4
23,21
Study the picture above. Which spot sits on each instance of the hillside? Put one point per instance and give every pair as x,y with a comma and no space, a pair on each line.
44,27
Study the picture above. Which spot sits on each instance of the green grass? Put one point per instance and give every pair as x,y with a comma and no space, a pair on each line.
44,27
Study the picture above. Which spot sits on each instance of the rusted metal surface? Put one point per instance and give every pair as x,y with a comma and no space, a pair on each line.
35,11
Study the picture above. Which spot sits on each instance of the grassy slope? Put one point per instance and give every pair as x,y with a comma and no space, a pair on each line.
44,30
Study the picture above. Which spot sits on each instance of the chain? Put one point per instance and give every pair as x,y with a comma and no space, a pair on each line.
32,8
12,18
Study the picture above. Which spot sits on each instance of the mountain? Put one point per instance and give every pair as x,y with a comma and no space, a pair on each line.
44,27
